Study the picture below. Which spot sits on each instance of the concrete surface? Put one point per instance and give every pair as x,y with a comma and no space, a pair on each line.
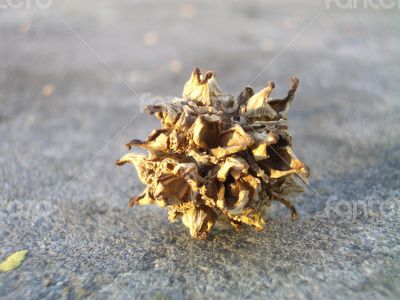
85,242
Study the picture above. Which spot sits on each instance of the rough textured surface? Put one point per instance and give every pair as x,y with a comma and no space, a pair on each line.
345,124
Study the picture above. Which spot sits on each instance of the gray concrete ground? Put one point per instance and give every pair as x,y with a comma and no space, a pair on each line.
61,109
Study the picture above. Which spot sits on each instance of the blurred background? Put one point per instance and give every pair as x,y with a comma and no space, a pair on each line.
74,77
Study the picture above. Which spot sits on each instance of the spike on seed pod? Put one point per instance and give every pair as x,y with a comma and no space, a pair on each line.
218,157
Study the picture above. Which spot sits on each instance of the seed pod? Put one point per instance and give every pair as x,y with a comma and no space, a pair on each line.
218,157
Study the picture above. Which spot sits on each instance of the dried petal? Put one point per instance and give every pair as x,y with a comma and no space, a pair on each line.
199,221
232,141
258,108
233,166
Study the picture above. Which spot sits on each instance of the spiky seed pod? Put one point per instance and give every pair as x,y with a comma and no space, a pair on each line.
217,157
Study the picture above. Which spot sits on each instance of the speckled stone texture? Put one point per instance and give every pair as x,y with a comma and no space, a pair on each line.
85,242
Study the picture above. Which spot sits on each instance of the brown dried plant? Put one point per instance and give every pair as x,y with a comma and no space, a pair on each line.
217,157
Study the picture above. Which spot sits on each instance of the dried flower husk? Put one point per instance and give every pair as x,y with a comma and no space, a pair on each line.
217,157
